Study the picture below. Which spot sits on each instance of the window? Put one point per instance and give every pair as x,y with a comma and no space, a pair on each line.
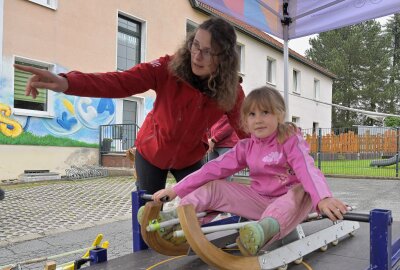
129,112
129,40
316,89
240,50
129,116
26,105
271,71
296,120
190,26
47,3
296,81
315,127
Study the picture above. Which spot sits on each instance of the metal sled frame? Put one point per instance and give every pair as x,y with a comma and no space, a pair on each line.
277,258
214,256
383,253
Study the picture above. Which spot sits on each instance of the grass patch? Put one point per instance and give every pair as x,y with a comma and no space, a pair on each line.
356,168
28,138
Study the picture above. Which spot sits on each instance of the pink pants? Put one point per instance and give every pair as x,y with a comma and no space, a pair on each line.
289,209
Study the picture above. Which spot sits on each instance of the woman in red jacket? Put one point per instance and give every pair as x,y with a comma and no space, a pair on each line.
194,88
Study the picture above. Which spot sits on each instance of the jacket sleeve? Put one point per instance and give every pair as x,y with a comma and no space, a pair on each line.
138,79
217,169
312,179
222,129
234,115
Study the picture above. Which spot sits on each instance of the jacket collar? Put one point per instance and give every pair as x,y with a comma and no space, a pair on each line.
267,139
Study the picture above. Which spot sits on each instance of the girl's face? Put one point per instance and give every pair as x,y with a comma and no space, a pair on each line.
204,60
261,123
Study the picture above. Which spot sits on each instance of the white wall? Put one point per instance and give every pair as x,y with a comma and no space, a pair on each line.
255,75
56,159
307,110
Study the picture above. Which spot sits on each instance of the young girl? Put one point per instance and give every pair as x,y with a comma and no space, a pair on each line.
285,184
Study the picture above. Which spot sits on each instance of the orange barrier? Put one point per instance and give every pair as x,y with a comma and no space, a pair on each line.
351,143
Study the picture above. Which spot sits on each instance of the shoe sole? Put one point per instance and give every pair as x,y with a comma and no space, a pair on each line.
251,238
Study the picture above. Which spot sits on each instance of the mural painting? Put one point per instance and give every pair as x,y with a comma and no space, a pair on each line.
72,121
75,121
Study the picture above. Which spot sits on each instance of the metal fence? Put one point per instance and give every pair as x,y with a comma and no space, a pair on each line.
359,151
356,151
117,138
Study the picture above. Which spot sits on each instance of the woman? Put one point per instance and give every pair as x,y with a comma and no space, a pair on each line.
194,88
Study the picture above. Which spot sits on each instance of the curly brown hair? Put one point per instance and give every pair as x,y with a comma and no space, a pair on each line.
268,99
223,83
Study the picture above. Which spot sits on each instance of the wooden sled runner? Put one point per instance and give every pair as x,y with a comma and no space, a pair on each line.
153,239
279,258
276,259
209,253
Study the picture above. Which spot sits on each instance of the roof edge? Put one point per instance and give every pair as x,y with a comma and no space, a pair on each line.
259,35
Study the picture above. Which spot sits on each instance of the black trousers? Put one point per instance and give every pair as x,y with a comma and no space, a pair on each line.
152,178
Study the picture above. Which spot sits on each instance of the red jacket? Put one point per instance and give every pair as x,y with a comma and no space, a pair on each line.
174,133
223,134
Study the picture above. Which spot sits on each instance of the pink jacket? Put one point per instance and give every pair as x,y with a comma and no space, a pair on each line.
274,168
223,133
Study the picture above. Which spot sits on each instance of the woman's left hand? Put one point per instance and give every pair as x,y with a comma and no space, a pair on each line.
333,208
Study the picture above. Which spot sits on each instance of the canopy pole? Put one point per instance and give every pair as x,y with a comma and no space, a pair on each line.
285,24
286,72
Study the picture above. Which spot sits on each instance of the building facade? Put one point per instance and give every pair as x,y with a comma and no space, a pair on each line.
56,131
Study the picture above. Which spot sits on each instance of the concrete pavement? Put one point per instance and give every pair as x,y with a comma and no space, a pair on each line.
43,219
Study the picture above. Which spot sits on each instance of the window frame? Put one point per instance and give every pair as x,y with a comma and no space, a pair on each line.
241,53
52,5
271,80
297,120
190,24
317,89
315,127
296,87
139,112
49,113
126,31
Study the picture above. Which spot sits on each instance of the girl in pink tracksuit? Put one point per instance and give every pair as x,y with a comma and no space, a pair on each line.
285,184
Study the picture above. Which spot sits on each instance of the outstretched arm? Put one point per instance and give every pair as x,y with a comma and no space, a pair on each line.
42,79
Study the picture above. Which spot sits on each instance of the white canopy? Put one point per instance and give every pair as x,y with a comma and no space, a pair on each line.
290,19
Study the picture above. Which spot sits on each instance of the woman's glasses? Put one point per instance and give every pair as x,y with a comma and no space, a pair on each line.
194,48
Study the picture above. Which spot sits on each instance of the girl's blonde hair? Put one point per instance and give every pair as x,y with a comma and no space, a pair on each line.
223,83
268,99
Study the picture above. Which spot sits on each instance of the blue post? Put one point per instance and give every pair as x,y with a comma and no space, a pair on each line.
380,239
137,202
98,255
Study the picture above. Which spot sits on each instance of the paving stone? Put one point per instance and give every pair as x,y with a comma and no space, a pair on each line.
37,210
67,216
